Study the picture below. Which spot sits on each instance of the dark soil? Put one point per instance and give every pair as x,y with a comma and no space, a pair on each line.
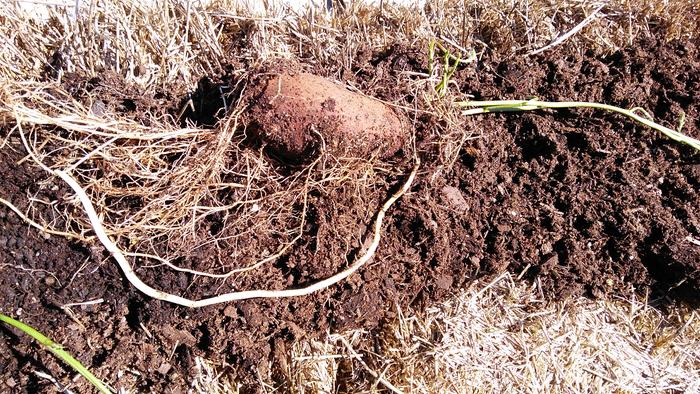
587,202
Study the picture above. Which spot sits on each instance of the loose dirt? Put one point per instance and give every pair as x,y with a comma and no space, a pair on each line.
586,202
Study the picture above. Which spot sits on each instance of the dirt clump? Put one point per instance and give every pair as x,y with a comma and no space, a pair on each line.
300,114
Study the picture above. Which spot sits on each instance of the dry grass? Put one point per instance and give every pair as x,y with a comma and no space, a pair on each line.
500,336
152,180
522,26
155,181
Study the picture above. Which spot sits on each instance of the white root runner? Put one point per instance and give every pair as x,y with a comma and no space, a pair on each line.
40,227
238,295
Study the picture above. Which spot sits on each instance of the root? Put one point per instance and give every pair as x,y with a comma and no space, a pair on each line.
233,296
43,228
155,188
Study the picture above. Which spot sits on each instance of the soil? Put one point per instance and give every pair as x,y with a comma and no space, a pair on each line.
585,202
300,114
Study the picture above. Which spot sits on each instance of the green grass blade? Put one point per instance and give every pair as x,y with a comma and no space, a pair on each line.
57,350
480,107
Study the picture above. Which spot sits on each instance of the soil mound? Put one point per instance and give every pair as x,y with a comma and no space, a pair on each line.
586,203
300,114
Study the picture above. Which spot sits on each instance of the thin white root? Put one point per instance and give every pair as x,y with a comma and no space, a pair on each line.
40,227
233,296
570,33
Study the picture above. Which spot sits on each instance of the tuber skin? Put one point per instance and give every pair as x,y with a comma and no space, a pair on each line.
299,115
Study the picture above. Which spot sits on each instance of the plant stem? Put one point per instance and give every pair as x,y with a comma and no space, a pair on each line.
58,351
480,107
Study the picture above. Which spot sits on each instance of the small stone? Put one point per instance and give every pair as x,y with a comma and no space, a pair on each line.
454,198
503,228
444,282
164,368
10,382
547,248
230,311
98,108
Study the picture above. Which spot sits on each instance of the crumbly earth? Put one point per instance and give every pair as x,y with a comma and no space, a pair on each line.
584,201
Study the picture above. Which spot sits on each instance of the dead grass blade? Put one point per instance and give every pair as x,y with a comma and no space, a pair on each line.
500,336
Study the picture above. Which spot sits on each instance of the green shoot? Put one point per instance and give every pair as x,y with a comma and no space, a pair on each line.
449,70
58,351
481,107
451,62
457,59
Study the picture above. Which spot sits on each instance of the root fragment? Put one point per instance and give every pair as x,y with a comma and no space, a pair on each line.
43,228
233,296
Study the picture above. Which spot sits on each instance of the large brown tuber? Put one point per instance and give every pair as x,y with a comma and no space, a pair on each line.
297,115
